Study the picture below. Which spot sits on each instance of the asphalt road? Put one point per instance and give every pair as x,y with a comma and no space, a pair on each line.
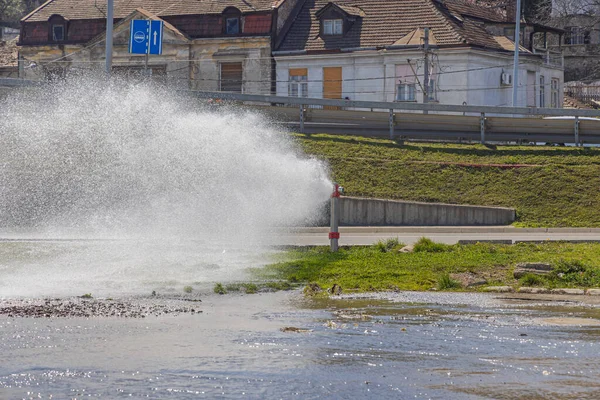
449,235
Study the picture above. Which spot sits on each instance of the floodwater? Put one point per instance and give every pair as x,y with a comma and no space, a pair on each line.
403,346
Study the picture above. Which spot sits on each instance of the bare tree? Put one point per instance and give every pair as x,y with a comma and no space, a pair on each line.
11,11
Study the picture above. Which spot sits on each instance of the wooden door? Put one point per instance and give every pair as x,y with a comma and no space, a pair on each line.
332,84
231,77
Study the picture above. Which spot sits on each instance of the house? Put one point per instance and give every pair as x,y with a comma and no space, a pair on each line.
208,45
374,50
580,46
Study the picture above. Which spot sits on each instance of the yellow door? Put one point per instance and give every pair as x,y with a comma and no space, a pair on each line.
332,84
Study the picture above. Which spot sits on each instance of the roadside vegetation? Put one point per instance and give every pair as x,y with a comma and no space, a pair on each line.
436,266
548,186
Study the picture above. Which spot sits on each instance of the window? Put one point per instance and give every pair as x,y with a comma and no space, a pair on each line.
232,26
332,27
298,84
432,94
58,33
232,77
577,35
542,91
554,84
406,91
232,21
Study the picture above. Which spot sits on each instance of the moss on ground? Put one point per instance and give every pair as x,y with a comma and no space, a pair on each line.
548,186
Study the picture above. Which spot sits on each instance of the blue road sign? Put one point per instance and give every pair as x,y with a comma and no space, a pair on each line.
139,36
145,37
156,36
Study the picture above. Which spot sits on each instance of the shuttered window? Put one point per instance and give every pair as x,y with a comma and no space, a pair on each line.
231,77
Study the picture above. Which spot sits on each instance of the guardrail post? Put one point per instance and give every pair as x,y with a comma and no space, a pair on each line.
301,118
391,122
482,127
577,143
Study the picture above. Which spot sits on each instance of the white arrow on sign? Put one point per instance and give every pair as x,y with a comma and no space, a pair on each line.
155,37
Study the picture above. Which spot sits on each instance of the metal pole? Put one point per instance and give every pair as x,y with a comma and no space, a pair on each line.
109,34
334,234
426,66
516,61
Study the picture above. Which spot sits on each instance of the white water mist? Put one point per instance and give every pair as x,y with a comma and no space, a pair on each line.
89,158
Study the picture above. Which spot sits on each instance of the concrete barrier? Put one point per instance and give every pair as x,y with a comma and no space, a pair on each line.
356,211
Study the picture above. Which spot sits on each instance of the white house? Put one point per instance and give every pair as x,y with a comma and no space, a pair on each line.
375,50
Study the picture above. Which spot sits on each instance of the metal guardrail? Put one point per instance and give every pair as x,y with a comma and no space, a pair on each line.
413,120
484,124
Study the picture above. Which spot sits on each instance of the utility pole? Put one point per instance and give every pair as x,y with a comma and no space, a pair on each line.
426,66
516,61
109,35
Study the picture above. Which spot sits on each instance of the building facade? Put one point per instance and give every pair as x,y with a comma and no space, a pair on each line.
209,45
375,51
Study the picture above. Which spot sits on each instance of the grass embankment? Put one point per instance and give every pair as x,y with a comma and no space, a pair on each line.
548,186
432,265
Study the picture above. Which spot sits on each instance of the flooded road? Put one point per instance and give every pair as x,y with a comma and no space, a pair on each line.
410,345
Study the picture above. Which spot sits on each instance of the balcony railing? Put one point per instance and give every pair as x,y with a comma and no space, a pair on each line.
553,58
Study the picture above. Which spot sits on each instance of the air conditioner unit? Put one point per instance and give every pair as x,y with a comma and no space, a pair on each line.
506,79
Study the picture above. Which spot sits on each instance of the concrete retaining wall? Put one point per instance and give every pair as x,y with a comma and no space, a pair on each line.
356,211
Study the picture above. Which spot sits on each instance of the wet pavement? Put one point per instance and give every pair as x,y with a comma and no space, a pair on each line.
404,345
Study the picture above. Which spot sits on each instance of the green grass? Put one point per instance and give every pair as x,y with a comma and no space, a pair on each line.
559,188
368,268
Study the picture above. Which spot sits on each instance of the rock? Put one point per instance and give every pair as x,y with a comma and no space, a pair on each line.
407,249
593,292
531,268
498,289
469,279
568,291
312,289
294,329
533,290
335,290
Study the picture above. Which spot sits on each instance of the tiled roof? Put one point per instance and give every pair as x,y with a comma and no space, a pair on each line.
9,53
94,9
452,22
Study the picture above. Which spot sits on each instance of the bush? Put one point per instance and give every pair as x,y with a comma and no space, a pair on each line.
187,289
250,288
532,280
445,282
426,245
569,267
388,245
219,289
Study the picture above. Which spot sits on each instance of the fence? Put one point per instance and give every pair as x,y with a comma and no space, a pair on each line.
424,121
586,93
415,121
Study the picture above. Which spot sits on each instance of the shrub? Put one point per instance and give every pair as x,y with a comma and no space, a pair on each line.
250,288
187,289
569,267
426,245
532,280
219,289
445,282
388,245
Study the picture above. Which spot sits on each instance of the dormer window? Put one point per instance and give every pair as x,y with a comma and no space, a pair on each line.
57,28
333,27
232,21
